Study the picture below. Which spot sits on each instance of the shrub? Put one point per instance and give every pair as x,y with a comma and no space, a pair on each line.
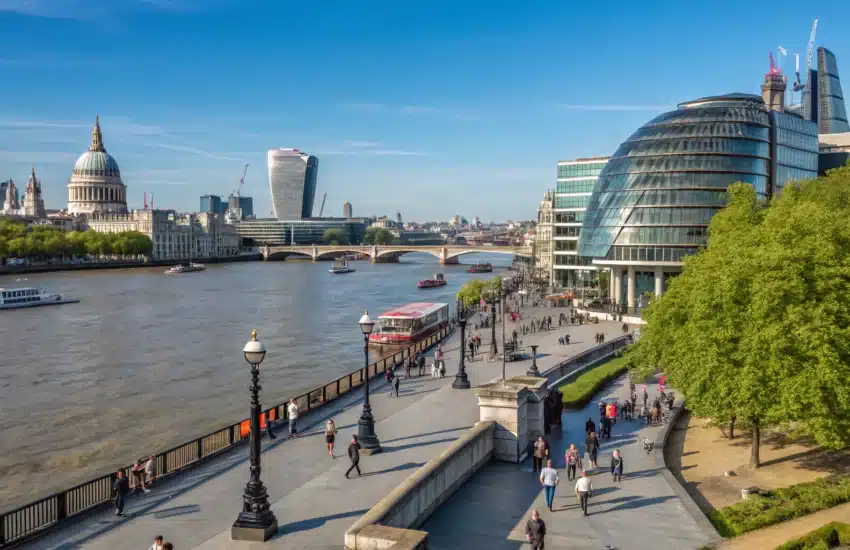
780,505
579,392
830,535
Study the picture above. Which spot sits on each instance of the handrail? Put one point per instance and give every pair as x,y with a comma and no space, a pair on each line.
35,518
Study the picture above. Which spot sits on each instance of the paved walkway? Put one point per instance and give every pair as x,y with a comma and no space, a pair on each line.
641,512
313,501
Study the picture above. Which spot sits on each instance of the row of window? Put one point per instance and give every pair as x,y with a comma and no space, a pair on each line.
674,146
572,202
576,186
22,300
681,180
796,125
671,216
787,174
573,260
663,235
798,140
569,217
752,113
580,170
607,202
566,246
705,129
797,158
704,163
109,172
649,254
19,293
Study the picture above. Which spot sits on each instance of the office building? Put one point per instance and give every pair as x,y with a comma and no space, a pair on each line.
576,181
292,181
211,204
823,98
244,206
834,151
347,212
95,184
656,195
300,232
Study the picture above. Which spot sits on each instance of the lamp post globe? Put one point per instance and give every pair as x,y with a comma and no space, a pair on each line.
369,443
256,522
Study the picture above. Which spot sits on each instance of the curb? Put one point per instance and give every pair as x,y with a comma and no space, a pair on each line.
684,497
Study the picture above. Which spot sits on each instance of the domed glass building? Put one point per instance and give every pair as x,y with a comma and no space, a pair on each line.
96,185
654,199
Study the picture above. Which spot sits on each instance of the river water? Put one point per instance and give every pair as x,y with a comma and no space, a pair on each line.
146,361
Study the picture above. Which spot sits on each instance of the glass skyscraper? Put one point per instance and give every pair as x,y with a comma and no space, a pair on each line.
656,196
823,99
292,180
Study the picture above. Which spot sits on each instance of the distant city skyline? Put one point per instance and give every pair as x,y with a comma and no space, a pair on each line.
416,127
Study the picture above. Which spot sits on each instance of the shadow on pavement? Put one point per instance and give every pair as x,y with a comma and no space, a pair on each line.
413,445
426,434
313,523
400,467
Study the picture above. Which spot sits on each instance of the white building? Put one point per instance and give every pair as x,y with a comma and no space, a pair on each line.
95,184
542,236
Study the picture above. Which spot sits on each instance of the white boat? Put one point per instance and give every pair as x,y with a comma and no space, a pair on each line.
14,298
340,267
188,268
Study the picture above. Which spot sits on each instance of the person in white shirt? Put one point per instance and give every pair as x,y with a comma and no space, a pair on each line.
293,417
157,543
150,471
549,479
584,488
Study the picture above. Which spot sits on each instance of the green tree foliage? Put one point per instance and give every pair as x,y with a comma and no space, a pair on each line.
334,236
757,326
474,290
378,235
604,281
44,241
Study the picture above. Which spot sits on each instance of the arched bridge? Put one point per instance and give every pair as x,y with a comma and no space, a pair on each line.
446,254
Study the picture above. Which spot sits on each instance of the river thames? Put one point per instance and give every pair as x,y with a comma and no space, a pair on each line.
146,361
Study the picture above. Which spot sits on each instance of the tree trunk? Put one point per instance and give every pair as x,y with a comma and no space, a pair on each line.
732,427
755,462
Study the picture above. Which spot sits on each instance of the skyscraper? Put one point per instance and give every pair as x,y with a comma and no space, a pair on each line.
823,99
346,210
292,180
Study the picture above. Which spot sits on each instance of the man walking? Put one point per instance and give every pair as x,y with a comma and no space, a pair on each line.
354,456
396,382
549,478
293,418
541,453
584,488
120,487
535,530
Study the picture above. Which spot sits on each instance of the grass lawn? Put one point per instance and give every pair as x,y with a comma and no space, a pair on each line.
831,535
780,505
579,392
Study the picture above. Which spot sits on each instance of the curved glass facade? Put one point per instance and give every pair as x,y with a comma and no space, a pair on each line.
657,194
292,180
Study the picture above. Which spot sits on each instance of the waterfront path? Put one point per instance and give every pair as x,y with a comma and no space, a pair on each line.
640,513
313,501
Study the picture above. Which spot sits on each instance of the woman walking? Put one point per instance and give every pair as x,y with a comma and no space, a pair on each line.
572,459
592,448
616,466
330,437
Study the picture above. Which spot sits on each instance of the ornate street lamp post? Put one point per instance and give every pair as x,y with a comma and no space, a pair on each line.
461,379
369,443
533,371
493,299
256,522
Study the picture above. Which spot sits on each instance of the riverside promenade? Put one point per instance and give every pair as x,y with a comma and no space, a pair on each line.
642,512
310,496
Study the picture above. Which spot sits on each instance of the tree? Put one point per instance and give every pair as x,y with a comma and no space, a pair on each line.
334,236
756,327
604,282
369,238
470,292
382,236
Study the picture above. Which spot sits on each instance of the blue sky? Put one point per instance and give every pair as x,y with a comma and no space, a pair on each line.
430,108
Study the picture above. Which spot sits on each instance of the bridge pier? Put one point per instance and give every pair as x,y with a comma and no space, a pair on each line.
386,259
449,261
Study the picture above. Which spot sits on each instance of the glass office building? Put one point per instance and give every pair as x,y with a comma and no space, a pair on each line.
292,180
300,232
656,196
576,181
211,204
823,98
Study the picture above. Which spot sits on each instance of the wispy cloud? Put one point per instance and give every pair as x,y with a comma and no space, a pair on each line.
39,157
613,107
89,10
362,144
413,110
214,155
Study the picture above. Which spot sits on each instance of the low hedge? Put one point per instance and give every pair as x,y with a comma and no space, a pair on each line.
830,535
580,391
774,507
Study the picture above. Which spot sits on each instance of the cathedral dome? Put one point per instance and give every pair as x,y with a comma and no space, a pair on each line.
96,163
95,184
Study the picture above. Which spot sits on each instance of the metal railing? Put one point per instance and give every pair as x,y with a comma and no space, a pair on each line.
567,366
31,520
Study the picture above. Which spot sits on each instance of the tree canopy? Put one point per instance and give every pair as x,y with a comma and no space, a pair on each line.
334,236
378,235
757,326
18,240
474,290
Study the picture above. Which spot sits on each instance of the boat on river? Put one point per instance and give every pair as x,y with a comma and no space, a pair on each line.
409,323
486,267
340,267
185,268
438,280
16,298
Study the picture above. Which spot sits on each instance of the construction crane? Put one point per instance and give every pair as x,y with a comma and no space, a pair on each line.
238,191
322,209
798,85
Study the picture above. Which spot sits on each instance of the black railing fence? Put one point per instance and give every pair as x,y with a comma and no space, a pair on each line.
21,524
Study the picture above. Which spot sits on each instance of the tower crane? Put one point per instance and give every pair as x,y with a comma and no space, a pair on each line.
322,209
238,191
798,85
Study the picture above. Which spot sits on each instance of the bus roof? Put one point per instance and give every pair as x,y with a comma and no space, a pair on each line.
414,310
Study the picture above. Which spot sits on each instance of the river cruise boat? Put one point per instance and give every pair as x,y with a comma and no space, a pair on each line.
438,280
409,323
14,298
340,267
481,268
185,268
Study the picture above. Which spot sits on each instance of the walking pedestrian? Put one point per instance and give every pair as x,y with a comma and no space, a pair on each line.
589,426
138,471
293,418
541,453
584,489
396,383
150,471
353,456
420,363
535,530
549,479
157,543
591,445
572,460
167,546
330,437
471,347
120,488
616,465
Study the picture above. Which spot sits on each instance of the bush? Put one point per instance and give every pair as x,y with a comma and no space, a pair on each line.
780,505
830,535
579,392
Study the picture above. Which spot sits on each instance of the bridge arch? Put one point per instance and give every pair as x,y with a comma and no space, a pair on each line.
281,255
341,251
393,253
453,253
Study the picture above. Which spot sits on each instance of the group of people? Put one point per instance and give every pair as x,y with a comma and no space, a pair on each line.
144,474
600,337
160,544
537,325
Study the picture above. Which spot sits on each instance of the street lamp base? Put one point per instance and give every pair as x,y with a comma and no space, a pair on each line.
369,444
532,372
461,382
254,527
